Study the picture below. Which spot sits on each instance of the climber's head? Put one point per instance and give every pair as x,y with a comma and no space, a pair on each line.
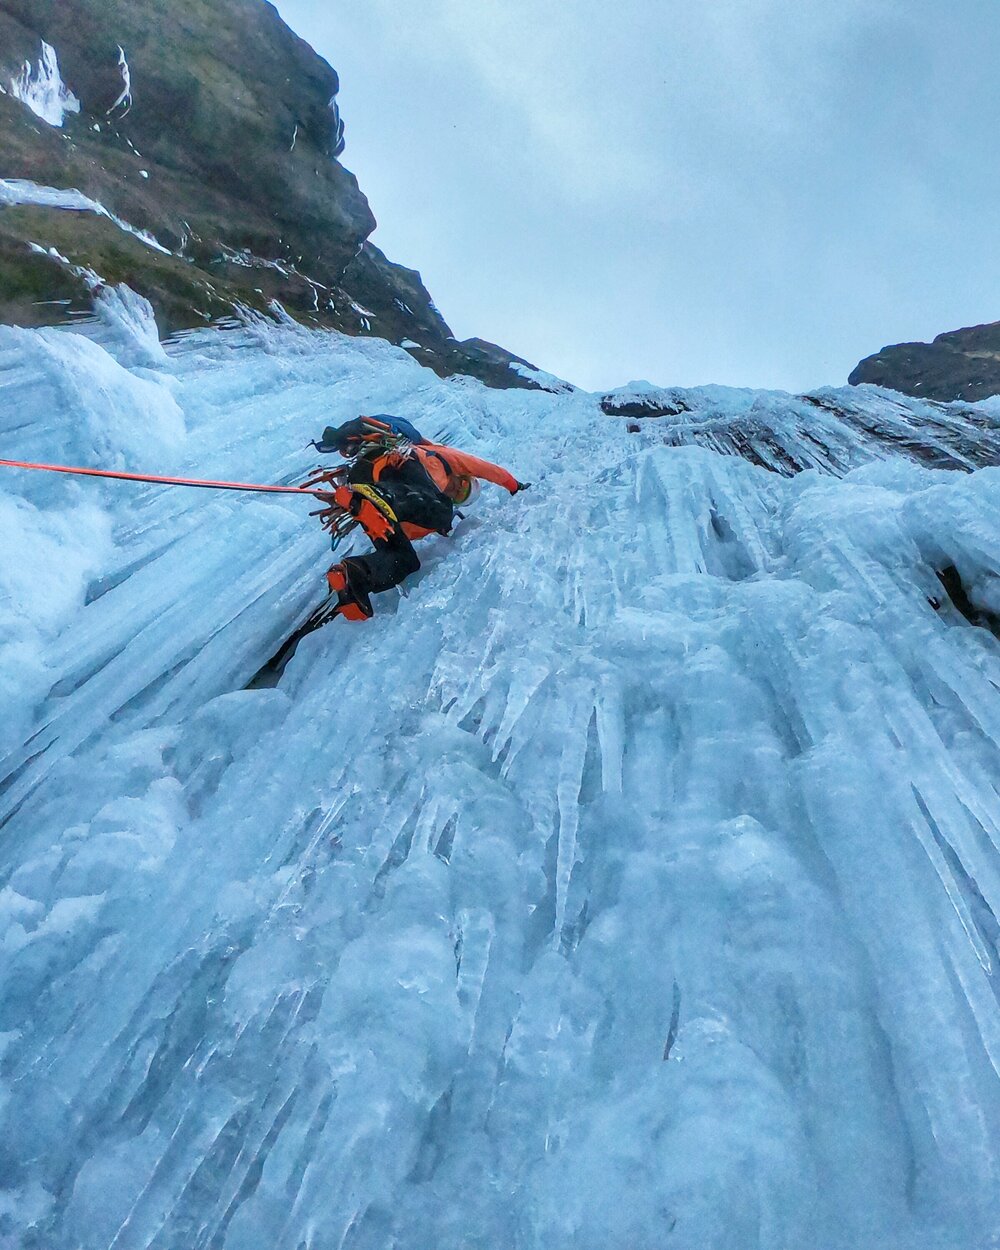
462,489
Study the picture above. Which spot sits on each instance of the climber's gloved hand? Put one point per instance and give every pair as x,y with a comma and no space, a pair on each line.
345,498
522,486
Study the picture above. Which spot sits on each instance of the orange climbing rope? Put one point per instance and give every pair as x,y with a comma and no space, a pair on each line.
308,489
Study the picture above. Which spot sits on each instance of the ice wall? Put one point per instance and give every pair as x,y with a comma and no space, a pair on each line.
631,883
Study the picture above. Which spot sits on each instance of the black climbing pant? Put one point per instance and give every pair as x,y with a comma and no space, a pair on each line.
392,560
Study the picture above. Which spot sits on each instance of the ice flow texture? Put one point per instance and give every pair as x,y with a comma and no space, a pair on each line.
633,883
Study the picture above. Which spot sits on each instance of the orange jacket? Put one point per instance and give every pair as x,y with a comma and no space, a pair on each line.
444,463
445,466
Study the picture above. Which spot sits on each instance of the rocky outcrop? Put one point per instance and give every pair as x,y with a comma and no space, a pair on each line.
642,400
962,364
210,125
217,91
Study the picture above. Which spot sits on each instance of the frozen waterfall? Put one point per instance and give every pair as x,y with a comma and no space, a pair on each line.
632,883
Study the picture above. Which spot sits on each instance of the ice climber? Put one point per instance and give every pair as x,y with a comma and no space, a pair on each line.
398,487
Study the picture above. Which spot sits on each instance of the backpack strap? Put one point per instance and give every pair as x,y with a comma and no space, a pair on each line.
447,465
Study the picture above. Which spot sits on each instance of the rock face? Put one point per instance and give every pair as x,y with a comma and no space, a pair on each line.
642,400
962,364
210,125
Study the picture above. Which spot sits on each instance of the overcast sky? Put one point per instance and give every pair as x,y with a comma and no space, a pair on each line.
752,192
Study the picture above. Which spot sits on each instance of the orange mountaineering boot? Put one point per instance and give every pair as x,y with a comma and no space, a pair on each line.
354,603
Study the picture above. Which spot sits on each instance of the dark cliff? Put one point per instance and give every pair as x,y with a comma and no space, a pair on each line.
210,125
962,364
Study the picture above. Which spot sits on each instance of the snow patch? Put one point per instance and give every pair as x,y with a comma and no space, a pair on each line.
19,191
338,127
15,191
547,381
249,260
93,281
42,89
124,101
